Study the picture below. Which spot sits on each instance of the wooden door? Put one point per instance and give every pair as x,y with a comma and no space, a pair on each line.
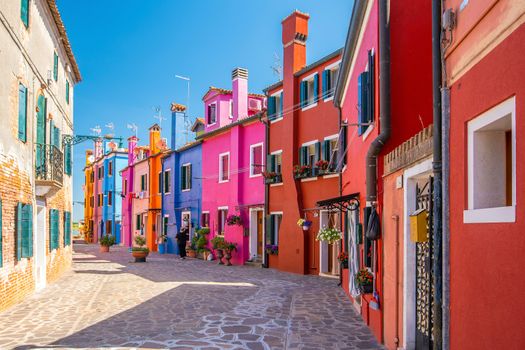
259,232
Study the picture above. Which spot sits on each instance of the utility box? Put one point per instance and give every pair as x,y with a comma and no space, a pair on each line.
418,226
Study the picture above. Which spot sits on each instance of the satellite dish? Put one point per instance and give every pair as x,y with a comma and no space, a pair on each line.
91,159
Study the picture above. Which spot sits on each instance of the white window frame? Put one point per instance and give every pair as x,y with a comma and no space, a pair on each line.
221,155
498,214
208,114
277,93
219,209
277,233
307,144
209,217
309,78
252,167
331,68
185,166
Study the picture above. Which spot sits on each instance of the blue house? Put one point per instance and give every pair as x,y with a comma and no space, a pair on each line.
182,187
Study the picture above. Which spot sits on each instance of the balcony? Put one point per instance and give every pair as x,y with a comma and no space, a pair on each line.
49,169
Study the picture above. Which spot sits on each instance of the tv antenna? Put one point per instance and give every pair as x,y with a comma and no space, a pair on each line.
133,127
277,67
158,115
96,130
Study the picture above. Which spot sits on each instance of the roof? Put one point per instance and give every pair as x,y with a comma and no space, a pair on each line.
319,62
229,126
356,21
273,86
222,91
65,41
196,123
189,145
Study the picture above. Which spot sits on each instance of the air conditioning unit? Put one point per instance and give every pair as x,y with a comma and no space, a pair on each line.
254,105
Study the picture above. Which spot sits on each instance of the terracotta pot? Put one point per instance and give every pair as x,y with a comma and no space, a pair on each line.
220,255
104,249
205,255
140,256
228,257
191,253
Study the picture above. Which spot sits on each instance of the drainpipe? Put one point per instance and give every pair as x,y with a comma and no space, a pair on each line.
396,337
340,109
384,103
266,188
437,311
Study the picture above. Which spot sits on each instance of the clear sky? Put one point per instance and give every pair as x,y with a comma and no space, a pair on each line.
129,52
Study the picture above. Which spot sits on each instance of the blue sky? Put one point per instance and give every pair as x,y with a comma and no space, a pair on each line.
130,51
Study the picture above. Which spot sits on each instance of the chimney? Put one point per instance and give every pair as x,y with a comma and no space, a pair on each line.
177,112
89,154
240,93
98,149
294,35
132,143
154,139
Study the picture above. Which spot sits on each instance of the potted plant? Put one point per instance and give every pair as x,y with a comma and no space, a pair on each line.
304,224
161,243
301,171
140,252
364,279
272,249
329,234
233,220
191,250
218,245
229,247
105,242
322,166
343,259
271,177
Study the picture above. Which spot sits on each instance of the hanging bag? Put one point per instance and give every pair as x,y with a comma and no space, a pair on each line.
373,231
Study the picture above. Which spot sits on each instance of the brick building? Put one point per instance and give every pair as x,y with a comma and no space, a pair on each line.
38,72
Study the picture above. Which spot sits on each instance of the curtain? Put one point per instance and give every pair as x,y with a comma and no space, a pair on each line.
353,253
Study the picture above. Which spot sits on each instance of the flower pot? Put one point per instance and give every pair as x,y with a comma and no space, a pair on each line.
306,227
139,255
220,255
162,248
205,255
344,264
104,249
191,253
366,288
228,257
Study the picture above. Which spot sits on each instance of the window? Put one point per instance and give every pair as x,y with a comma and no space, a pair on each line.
125,187
275,163
110,169
101,172
92,201
24,12
205,219
138,222
22,113
222,214
67,228
53,229
55,66
185,180
143,182
310,153
330,81
165,224
92,177
109,227
212,113
231,109
24,231
275,106
330,151
309,90
167,181
67,91
492,165
273,226
224,167
366,96
160,182
256,160
110,198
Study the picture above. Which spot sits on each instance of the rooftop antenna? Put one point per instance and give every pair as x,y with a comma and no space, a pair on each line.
159,115
96,130
133,127
277,67
111,127
187,113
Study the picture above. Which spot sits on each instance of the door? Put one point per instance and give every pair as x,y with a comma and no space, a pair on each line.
424,278
259,232
328,252
40,246
186,221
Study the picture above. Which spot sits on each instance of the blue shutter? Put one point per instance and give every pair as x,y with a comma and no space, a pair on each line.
19,230
281,113
343,152
362,101
22,113
271,108
316,87
371,87
268,223
303,93
270,162
1,254
272,228
302,155
67,158
317,151
67,228
326,150
24,12
325,85
27,224
55,66
189,176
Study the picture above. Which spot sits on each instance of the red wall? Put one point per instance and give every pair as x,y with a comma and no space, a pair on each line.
487,310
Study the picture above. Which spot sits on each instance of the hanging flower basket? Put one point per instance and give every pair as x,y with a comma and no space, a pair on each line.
329,234
305,224
272,249
233,220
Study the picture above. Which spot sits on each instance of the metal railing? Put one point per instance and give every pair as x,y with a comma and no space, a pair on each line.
49,163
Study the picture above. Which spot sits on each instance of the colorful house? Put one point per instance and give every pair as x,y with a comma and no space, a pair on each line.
38,72
484,67
182,192
89,198
139,194
232,167
104,188
303,131
384,92
127,191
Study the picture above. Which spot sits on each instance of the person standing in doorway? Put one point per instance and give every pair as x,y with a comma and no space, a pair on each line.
182,237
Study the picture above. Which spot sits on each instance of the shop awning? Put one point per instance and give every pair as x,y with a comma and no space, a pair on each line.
342,203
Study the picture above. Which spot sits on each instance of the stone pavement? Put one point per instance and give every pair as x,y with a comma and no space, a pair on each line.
106,300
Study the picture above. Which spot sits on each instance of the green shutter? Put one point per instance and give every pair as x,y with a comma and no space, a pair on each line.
268,223
317,151
24,12
303,159
67,91
316,87
67,228
19,230
324,83
281,113
29,232
56,137
51,133
189,176
270,162
303,93
22,113
1,246
55,66
53,229
68,159
271,108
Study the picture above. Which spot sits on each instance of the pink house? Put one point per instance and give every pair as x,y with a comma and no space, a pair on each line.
127,192
233,151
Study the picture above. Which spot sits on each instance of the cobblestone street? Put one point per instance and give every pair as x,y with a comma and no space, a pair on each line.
108,301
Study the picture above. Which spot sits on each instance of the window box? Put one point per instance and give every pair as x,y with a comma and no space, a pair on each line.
273,180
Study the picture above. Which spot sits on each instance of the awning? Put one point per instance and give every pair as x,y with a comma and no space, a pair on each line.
344,203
